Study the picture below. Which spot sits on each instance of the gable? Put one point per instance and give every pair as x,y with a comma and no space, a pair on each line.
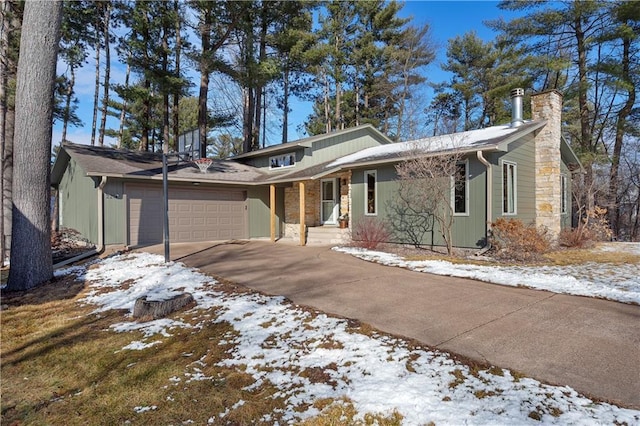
313,151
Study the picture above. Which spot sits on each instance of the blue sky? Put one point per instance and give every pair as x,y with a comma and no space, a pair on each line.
447,19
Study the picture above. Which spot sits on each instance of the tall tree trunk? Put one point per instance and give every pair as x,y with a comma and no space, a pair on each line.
285,102
4,49
165,92
338,115
31,262
67,103
107,72
259,89
178,90
123,111
205,70
583,105
96,92
146,116
327,109
621,122
11,24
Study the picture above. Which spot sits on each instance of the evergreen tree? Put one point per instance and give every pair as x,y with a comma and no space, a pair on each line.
31,262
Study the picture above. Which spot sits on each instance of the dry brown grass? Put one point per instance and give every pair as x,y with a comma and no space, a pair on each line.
61,365
579,256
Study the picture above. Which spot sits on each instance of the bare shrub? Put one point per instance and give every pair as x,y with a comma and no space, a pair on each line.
512,239
369,232
426,180
593,227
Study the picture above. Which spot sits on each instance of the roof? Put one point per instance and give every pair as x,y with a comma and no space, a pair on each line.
121,163
308,142
491,138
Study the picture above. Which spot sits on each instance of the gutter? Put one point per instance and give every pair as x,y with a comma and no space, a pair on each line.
489,200
100,248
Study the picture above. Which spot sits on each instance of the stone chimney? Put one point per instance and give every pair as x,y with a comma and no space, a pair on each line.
548,106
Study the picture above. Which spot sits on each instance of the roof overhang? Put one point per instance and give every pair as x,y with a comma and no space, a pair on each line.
569,156
173,178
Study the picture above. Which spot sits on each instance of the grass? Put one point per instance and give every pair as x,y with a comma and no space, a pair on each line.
61,364
579,256
561,257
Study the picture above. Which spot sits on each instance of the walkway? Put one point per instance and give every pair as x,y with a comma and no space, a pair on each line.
589,344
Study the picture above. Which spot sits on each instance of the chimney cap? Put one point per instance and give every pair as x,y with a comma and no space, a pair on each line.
516,107
517,92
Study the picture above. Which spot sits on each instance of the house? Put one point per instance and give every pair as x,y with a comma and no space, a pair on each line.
521,170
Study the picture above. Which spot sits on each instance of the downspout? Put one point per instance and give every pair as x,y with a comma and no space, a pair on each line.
100,247
489,200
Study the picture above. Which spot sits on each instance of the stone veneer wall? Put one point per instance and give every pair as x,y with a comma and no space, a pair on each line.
548,106
312,203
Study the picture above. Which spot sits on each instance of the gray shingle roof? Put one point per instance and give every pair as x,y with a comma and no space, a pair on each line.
103,161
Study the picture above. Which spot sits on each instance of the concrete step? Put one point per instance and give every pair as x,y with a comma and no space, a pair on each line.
327,235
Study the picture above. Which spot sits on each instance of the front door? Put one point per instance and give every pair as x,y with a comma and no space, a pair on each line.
329,204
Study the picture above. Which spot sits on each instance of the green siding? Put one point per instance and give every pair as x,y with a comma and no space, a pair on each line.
522,154
114,213
337,146
79,202
322,150
259,212
468,231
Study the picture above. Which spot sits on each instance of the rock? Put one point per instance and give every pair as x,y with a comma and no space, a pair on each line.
154,309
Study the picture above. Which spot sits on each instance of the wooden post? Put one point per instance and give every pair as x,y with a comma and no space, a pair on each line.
272,211
303,237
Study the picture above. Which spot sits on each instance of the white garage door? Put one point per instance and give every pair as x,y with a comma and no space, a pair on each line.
200,214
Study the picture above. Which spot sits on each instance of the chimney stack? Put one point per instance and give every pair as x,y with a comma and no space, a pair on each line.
516,107
548,106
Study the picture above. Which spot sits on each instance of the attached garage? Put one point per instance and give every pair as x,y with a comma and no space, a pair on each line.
195,214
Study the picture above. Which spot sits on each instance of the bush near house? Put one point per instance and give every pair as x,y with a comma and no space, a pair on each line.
513,240
593,227
369,232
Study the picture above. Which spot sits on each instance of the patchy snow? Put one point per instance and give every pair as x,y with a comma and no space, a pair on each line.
614,282
284,345
455,141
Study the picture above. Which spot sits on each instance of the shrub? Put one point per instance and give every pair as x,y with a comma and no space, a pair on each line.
369,232
512,239
593,227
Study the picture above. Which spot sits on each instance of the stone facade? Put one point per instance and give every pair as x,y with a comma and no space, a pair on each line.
312,203
548,106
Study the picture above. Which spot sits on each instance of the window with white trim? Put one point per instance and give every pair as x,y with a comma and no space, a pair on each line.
563,194
280,161
509,186
370,192
460,193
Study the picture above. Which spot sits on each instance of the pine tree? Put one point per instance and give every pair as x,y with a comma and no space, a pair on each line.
31,262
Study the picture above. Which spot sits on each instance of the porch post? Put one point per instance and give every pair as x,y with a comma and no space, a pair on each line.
272,211
303,239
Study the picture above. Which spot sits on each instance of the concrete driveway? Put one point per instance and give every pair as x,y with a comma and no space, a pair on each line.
591,345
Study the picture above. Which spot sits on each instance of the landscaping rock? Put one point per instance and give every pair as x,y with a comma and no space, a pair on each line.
154,309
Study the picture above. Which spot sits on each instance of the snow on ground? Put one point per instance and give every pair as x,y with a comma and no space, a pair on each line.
615,282
288,346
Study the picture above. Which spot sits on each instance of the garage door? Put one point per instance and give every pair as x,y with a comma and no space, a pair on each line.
195,214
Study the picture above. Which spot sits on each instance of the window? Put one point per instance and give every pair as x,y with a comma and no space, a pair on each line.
509,195
563,194
460,195
370,190
279,161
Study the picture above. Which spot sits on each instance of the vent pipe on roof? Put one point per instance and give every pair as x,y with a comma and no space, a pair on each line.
516,107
